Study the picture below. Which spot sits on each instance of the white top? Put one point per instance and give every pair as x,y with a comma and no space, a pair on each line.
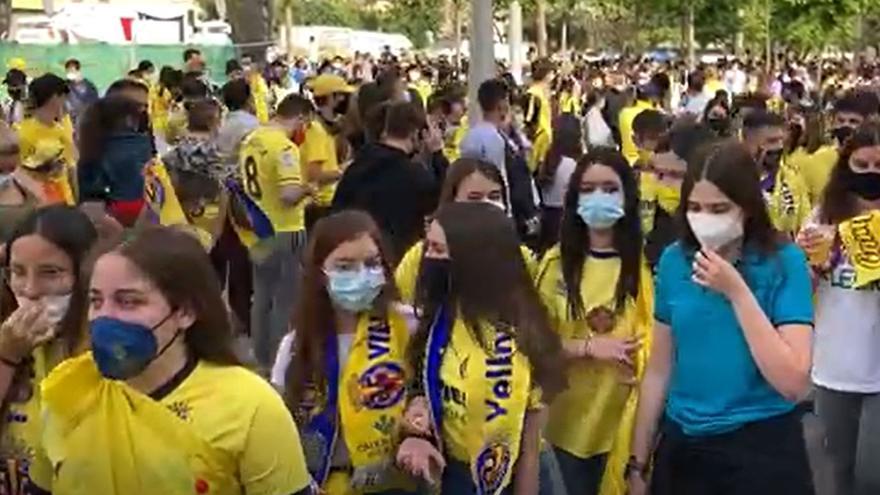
846,353
554,194
598,132
695,104
235,128
344,341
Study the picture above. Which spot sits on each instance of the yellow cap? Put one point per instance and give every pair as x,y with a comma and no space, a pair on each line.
45,151
327,84
16,63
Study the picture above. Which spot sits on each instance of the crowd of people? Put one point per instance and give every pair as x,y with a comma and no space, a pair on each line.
616,277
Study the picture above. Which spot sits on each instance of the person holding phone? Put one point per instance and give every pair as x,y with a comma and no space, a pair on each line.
731,346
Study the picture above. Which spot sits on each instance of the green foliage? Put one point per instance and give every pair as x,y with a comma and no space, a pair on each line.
414,18
322,12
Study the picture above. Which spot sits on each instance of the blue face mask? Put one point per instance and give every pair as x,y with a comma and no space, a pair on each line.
355,290
599,209
124,349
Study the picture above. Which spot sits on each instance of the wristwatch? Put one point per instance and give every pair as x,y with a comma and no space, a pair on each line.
634,466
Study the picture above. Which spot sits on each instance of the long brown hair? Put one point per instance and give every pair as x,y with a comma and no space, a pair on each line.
180,268
728,165
489,282
574,236
839,203
313,318
71,231
463,168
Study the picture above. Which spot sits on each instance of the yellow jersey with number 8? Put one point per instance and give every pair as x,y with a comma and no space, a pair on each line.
270,161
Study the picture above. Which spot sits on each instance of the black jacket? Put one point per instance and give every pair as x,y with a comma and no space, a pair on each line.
396,191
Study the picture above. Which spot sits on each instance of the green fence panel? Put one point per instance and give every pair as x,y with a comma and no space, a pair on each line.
103,63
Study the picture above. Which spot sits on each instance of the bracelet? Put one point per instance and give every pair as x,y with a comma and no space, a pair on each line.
634,466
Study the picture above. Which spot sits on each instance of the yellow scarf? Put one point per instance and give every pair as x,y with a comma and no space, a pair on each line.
369,395
145,447
788,202
484,427
860,237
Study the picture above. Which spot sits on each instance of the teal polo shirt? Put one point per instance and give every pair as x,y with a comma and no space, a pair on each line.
715,385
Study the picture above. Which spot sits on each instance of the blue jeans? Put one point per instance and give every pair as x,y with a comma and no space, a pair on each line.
276,263
581,476
457,480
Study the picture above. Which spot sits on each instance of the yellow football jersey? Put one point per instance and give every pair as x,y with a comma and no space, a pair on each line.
269,161
223,429
319,146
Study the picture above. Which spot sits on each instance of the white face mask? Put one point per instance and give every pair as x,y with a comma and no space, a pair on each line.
716,231
56,306
5,180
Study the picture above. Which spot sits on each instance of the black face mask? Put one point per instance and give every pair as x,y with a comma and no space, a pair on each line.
434,281
771,160
841,134
341,108
866,186
16,94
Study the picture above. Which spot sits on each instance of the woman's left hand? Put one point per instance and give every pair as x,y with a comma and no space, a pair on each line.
716,273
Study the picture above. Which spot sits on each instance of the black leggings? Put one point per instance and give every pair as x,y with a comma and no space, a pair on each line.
767,457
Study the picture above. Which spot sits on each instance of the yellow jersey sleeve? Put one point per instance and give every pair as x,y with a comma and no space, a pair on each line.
288,167
266,469
407,273
316,148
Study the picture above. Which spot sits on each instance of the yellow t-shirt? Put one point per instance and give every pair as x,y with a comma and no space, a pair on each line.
407,274
161,101
32,132
269,161
319,146
816,169
231,410
585,432
544,136
260,94
19,446
625,120
452,144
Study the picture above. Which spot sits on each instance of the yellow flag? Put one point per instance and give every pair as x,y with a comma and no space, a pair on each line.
861,240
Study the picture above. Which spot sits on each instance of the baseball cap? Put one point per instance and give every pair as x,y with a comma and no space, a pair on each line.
483,142
327,84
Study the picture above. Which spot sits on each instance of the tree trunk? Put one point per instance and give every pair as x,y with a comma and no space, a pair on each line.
563,36
768,40
288,32
739,40
541,27
514,40
481,65
690,42
457,37
250,21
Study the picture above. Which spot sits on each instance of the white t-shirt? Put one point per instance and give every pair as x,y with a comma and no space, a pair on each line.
554,194
344,341
846,352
